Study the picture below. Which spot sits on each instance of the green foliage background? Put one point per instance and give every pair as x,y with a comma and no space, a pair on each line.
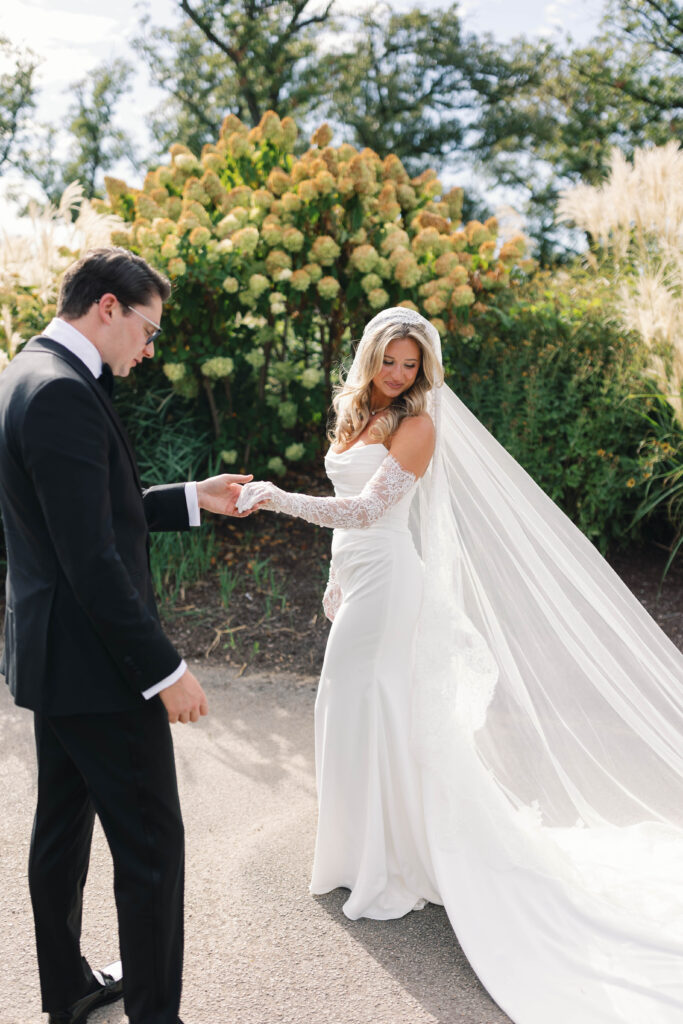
278,261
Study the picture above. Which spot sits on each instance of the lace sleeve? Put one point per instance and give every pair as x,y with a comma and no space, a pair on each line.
383,489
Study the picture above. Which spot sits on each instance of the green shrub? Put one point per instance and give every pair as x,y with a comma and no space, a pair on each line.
563,390
278,261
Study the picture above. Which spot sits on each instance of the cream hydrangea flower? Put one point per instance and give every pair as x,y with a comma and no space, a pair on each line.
246,239
396,238
462,295
293,239
277,259
325,183
300,280
277,466
176,267
287,411
218,367
278,303
322,136
271,232
435,304
170,247
325,250
238,145
188,163
308,191
174,371
378,298
294,452
163,226
231,285
258,284
407,272
370,281
200,236
291,202
328,288
310,378
278,181
314,271
256,358
229,457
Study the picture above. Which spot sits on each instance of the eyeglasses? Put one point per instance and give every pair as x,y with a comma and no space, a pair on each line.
151,338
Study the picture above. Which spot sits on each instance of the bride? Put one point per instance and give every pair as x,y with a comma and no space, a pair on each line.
499,723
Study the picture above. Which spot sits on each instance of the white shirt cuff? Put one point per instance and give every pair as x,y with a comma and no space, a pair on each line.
164,683
193,513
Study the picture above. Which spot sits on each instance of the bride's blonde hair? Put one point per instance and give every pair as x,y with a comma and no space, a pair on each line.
351,401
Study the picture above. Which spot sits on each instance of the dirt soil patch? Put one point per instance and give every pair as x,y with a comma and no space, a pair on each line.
277,569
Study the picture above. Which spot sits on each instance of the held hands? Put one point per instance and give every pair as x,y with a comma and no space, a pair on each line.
185,700
259,494
220,494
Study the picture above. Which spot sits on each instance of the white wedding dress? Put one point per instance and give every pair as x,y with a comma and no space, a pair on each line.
371,828
499,728
549,945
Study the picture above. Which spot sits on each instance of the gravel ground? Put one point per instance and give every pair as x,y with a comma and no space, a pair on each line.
259,948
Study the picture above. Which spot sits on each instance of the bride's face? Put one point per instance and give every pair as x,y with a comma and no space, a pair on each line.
399,369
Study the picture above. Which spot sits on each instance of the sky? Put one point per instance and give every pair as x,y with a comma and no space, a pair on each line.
73,36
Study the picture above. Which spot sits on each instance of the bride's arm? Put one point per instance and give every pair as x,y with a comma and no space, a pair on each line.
411,449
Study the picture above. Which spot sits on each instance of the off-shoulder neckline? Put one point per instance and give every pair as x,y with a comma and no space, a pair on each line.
354,447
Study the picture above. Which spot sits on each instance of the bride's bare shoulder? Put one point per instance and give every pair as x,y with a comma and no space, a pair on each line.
416,429
413,443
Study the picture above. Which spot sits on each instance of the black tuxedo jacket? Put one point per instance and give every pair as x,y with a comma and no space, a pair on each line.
82,631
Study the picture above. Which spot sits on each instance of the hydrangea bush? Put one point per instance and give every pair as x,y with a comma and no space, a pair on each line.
278,261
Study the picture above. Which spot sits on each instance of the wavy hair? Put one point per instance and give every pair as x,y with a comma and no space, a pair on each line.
351,402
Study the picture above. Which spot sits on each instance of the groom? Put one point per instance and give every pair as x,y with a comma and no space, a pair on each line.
84,648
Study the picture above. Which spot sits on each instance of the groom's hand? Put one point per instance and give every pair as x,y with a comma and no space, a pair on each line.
220,493
185,700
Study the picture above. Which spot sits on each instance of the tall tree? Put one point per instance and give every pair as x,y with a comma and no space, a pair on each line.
199,81
552,113
234,56
17,99
96,142
400,83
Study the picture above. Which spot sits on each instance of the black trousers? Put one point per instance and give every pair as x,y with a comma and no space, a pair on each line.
119,766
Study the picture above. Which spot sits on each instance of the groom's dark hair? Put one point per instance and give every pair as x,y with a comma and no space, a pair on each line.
114,270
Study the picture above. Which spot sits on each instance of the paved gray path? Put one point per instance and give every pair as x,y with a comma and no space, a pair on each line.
259,948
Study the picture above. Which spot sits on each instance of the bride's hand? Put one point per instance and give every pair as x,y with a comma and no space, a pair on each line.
220,493
259,493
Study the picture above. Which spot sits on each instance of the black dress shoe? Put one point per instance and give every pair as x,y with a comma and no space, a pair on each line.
108,990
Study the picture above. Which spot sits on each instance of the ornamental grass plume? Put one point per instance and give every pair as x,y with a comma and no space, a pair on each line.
32,263
635,222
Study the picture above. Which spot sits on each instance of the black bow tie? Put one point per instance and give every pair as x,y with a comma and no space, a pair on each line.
106,379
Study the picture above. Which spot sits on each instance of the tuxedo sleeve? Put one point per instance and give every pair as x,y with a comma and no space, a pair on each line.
65,442
166,508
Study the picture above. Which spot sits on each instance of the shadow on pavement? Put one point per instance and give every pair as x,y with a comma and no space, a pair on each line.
422,954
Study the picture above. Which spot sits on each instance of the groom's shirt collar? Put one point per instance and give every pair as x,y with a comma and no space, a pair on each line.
65,334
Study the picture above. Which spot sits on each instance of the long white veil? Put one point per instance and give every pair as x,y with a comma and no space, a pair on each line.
548,721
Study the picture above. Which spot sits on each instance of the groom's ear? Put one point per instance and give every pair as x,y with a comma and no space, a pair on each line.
106,305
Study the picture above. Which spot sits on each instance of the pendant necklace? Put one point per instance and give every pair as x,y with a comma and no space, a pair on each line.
374,412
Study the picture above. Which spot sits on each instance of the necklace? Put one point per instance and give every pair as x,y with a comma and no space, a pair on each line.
374,412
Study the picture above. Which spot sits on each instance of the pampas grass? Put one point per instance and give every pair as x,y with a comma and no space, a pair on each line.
34,260
635,219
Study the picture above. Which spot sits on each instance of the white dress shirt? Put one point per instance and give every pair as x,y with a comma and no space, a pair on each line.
65,334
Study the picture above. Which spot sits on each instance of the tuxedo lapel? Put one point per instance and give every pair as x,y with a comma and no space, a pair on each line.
46,345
